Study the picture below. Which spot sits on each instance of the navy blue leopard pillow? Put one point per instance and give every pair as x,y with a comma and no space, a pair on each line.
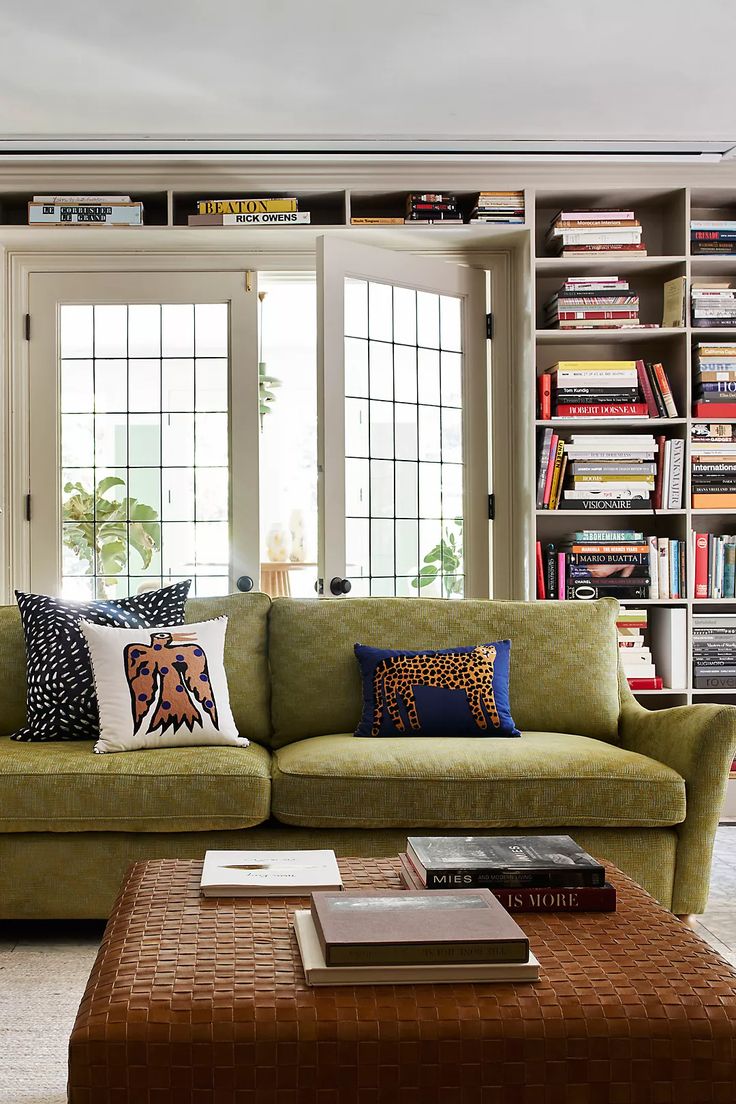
61,703
447,692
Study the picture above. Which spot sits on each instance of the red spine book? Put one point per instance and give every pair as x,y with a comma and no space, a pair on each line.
531,899
657,498
714,411
603,410
541,588
545,397
701,565
646,389
589,899
646,683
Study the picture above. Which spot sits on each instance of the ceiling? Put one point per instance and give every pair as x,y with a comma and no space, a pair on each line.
477,75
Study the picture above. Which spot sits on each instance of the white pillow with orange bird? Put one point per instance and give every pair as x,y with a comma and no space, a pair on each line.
161,687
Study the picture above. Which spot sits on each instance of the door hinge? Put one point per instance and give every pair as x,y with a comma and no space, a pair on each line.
28,507
489,326
27,326
491,507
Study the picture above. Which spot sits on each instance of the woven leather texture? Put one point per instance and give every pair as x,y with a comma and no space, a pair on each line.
195,1001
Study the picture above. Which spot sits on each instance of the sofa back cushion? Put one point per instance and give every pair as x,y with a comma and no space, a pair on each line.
12,671
246,657
564,658
246,661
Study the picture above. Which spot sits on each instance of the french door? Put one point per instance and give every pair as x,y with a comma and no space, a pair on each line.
402,369
150,415
144,402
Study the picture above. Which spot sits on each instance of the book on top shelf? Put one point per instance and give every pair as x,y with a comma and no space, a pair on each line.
87,213
499,207
592,231
259,211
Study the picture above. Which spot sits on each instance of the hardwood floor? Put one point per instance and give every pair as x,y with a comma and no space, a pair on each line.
44,968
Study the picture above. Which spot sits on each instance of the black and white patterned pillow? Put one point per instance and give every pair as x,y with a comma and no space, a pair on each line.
61,703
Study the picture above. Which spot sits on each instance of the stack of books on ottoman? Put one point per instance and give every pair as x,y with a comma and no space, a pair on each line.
524,873
389,937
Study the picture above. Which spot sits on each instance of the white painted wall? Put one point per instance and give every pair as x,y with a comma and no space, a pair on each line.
473,70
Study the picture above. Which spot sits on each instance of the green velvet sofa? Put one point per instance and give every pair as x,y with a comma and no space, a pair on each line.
641,789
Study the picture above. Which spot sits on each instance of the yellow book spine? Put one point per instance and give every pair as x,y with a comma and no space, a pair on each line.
556,474
244,206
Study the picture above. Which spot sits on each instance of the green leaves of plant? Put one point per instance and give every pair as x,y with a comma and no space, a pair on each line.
444,559
121,523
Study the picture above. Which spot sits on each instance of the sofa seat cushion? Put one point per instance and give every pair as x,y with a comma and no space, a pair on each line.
543,778
65,787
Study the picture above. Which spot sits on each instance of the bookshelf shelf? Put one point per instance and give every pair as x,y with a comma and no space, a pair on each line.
608,423
635,335
636,266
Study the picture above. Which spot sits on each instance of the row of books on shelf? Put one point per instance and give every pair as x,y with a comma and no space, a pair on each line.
713,465
575,232
424,208
610,471
714,651
712,236
450,923
593,231
715,565
582,570
605,389
592,302
714,379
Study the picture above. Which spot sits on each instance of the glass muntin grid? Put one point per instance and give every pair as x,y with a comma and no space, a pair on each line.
144,396
403,436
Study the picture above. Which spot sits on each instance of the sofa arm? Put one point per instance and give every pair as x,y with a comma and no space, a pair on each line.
698,741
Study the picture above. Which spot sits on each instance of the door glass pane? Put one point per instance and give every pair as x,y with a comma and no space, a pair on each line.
144,443
288,449
403,441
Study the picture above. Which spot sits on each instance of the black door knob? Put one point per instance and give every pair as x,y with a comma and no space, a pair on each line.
340,586
245,583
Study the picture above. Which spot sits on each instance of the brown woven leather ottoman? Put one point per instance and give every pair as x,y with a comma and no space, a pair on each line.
195,1001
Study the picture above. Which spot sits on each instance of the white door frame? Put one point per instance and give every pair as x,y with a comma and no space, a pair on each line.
508,302
336,260
46,292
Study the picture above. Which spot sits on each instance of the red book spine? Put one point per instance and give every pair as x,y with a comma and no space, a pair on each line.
657,498
714,410
545,397
541,588
701,565
646,389
646,683
550,467
603,410
587,899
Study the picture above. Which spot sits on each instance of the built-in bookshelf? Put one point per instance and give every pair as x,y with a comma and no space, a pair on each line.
665,219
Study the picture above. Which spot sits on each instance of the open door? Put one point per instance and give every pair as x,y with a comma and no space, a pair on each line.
403,436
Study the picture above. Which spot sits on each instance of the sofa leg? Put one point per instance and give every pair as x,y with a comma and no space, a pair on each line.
688,918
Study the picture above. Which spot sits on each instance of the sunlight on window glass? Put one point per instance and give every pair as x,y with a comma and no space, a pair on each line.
288,457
